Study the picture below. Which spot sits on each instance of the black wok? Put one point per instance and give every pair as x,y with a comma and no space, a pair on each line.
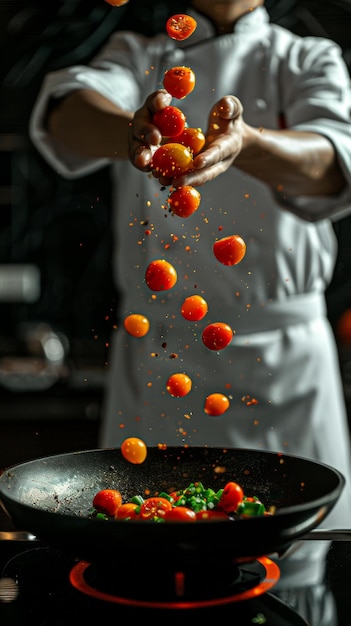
52,498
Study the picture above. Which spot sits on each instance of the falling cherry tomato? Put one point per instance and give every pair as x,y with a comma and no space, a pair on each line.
192,138
343,328
232,496
180,26
170,121
107,501
160,275
179,81
229,250
194,308
178,385
136,325
216,404
184,201
171,160
134,450
217,336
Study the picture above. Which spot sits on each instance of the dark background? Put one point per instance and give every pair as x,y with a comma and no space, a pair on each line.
63,227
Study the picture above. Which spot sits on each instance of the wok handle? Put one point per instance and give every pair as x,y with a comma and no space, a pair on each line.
336,534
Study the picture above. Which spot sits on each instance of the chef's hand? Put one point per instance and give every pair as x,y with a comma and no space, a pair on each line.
224,138
144,137
224,142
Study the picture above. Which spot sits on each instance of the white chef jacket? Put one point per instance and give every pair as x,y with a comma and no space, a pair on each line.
281,369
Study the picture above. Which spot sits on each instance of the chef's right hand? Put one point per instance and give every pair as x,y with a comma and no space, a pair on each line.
144,136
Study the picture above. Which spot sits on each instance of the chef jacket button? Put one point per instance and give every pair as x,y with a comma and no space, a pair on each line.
260,104
176,57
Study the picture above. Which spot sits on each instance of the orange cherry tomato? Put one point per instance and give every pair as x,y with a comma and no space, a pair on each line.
216,404
229,250
127,511
212,515
117,3
160,275
231,497
194,308
154,507
184,201
178,385
180,514
179,81
134,450
170,121
180,26
192,138
171,160
136,325
107,501
217,336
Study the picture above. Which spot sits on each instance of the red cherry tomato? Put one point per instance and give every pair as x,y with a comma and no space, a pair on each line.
184,201
180,26
178,385
171,160
107,501
229,250
192,138
217,336
134,450
154,507
136,325
216,404
170,121
343,327
175,495
194,308
127,511
180,514
212,515
179,81
160,275
231,497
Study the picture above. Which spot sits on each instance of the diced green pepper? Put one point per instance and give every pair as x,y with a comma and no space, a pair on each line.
101,516
137,500
251,506
167,496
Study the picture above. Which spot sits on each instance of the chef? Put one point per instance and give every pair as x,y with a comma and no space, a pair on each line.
276,170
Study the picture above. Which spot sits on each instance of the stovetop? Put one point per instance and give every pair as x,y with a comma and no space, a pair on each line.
36,587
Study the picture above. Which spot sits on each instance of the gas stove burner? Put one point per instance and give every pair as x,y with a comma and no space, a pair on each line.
164,588
47,593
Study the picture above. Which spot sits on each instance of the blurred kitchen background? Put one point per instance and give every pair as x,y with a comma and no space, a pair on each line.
57,299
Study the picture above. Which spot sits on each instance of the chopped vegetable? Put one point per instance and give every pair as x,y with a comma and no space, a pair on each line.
195,502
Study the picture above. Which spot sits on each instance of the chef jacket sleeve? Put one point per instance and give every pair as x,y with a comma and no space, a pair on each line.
115,73
316,95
